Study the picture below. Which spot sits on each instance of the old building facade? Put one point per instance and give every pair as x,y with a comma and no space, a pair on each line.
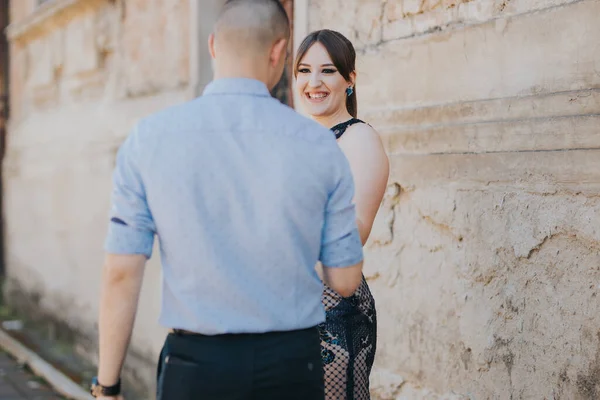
484,258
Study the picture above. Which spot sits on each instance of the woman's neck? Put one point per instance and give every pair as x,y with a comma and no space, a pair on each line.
329,121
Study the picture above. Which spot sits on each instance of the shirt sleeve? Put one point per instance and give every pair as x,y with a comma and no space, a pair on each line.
341,245
131,227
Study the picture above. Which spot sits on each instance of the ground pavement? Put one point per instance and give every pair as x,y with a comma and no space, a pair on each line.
16,383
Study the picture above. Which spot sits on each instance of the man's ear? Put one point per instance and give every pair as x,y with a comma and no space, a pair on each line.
211,45
278,52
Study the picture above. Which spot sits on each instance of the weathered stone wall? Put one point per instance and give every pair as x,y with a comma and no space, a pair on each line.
485,258
82,73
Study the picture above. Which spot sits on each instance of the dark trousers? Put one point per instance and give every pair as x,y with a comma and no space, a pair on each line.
268,366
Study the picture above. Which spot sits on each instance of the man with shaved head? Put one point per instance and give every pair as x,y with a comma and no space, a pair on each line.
245,196
250,40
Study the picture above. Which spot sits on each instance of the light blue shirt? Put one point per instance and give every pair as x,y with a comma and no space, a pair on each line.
244,195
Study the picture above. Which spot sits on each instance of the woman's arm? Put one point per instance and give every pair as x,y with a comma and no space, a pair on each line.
370,168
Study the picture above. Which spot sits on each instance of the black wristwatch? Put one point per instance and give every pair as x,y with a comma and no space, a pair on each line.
97,390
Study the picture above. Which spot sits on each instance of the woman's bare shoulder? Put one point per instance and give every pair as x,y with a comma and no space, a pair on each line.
363,127
362,134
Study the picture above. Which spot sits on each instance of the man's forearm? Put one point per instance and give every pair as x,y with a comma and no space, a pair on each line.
121,286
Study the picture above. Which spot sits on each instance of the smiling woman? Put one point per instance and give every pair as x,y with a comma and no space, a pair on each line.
320,82
325,78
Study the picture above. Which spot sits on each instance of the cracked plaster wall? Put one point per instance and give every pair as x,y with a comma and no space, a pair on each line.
485,256
82,73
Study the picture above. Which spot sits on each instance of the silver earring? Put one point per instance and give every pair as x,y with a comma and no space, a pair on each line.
349,91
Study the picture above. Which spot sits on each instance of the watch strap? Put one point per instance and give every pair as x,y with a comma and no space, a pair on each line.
98,389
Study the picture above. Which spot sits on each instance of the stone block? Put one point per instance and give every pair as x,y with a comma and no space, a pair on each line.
40,63
80,46
543,53
19,10
550,134
393,11
368,23
385,385
412,7
361,21
417,17
156,47
336,15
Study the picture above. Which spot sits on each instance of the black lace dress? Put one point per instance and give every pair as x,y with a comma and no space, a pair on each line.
349,334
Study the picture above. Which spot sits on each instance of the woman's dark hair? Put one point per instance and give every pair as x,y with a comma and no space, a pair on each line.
342,54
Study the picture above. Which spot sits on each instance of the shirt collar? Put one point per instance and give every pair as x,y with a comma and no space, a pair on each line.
242,86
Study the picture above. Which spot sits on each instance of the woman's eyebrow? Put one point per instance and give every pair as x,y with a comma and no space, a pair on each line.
323,65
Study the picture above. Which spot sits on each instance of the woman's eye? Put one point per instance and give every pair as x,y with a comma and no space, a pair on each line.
303,70
329,71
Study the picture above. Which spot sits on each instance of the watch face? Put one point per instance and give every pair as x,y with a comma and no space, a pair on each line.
97,390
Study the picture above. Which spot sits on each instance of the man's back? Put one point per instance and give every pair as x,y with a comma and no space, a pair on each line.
245,196
236,185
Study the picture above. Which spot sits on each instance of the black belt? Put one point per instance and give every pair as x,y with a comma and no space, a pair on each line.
183,332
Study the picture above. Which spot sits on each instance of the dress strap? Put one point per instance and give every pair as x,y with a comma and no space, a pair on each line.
339,129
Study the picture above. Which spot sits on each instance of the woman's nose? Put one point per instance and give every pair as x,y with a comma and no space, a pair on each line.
314,81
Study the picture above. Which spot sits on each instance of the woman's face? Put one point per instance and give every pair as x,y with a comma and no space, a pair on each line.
319,84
